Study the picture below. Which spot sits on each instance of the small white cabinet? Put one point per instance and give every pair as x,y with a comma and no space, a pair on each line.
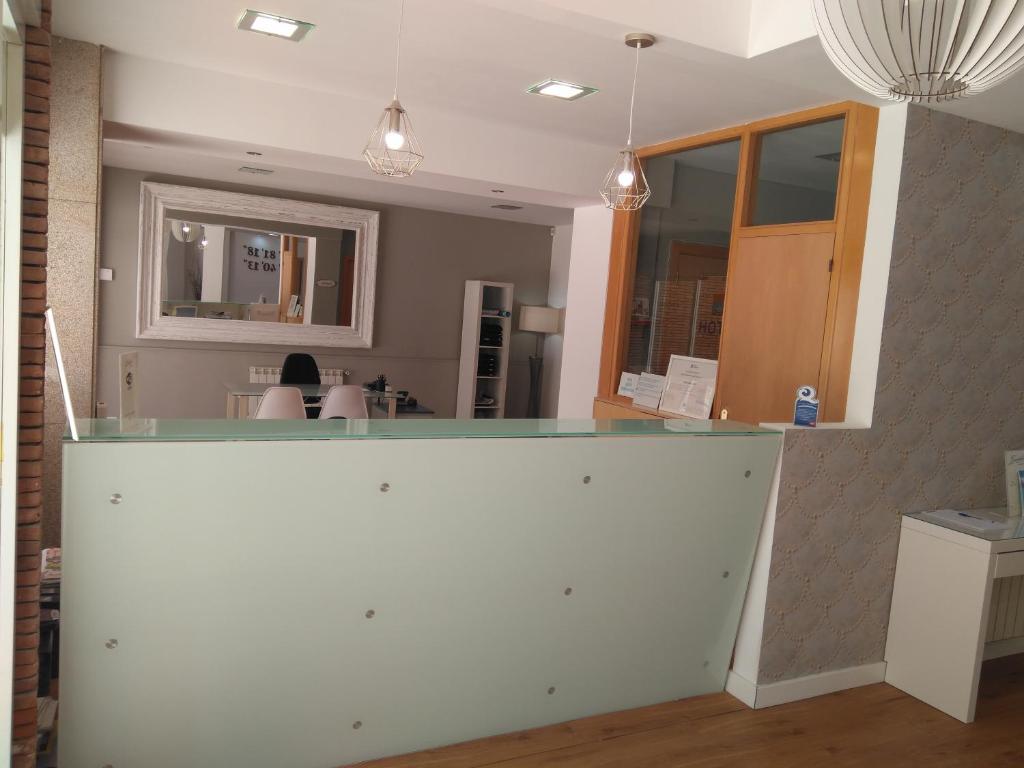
486,342
941,604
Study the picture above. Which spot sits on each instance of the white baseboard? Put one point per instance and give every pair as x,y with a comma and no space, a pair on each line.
785,691
996,649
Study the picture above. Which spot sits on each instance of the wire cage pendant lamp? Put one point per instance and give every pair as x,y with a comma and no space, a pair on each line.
393,149
625,185
922,50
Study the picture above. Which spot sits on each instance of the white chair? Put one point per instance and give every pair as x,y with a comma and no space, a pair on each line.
345,400
281,403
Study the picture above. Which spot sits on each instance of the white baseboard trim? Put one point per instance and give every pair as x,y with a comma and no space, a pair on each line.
772,694
996,649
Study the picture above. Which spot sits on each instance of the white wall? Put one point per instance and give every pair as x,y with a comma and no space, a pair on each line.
584,318
558,289
874,279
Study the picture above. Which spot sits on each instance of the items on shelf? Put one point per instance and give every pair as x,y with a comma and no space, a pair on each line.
491,335
495,313
487,364
485,401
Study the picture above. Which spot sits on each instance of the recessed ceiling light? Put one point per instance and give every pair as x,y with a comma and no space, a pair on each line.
561,89
276,26
254,169
507,207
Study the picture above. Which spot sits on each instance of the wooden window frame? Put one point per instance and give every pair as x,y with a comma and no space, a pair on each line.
848,224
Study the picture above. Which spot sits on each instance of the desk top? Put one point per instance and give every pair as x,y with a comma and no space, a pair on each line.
248,389
223,430
986,525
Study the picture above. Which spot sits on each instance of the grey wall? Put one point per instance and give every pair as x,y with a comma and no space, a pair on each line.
425,257
949,402
73,210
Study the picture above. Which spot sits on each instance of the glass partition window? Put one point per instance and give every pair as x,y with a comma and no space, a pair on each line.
797,174
682,257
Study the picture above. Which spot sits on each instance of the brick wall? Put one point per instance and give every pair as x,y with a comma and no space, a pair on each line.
30,419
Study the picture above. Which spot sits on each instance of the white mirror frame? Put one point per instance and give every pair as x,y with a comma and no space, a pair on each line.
156,199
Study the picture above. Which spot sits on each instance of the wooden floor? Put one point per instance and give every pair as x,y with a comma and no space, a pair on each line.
875,726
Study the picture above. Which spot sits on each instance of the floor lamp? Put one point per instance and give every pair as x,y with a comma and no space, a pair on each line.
542,321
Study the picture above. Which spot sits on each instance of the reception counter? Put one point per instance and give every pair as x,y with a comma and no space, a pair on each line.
315,594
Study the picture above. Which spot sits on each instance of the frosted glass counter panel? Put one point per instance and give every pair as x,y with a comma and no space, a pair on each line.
237,577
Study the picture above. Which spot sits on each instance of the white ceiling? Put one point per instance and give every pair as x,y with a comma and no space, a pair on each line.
181,79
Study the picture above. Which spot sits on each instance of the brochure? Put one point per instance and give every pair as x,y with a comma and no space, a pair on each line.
690,386
648,390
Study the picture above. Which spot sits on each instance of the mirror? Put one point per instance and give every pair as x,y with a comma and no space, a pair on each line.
222,266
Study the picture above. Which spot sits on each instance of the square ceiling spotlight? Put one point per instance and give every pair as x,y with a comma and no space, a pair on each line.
275,26
561,89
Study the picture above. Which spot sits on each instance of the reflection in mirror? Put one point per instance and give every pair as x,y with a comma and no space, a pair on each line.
222,271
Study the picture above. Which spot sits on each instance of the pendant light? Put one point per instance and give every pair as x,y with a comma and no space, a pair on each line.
393,149
625,187
923,50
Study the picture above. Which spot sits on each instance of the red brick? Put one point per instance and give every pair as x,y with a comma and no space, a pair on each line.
37,87
37,121
26,611
33,290
34,207
31,241
35,138
34,172
40,54
34,189
35,71
30,404
29,515
34,258
28,641
37,36
30,533
36,306
28,484
24,716
35,154
32,386
27,685
29,562
30,371
30,452
29,594
29,420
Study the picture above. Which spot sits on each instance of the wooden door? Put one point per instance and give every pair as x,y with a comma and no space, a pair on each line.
776,302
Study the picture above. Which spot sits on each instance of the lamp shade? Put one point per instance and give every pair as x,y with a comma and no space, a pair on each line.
540,319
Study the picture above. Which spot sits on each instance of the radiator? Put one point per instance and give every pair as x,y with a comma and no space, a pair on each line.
1006,617
268,375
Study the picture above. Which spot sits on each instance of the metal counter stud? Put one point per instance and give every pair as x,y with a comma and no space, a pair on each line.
568,591
115,498
747,473
385,487
111,644
357,725
586,479
551,691
371,613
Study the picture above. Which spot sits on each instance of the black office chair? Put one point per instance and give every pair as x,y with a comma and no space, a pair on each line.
300,369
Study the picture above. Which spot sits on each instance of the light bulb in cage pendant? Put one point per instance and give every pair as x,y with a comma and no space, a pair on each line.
625,186
186,227
393,149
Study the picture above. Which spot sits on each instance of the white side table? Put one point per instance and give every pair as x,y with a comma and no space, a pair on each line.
940,606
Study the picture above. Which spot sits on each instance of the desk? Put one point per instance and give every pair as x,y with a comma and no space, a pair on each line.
941,601
238,395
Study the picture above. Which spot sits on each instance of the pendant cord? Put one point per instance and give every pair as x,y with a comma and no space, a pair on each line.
398,48
632,98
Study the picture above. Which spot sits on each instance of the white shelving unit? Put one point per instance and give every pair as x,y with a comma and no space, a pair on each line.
483,300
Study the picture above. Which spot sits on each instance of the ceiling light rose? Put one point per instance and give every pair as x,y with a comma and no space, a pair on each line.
625,185
922,50
393,149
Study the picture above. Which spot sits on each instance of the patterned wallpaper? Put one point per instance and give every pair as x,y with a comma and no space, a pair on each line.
950,400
